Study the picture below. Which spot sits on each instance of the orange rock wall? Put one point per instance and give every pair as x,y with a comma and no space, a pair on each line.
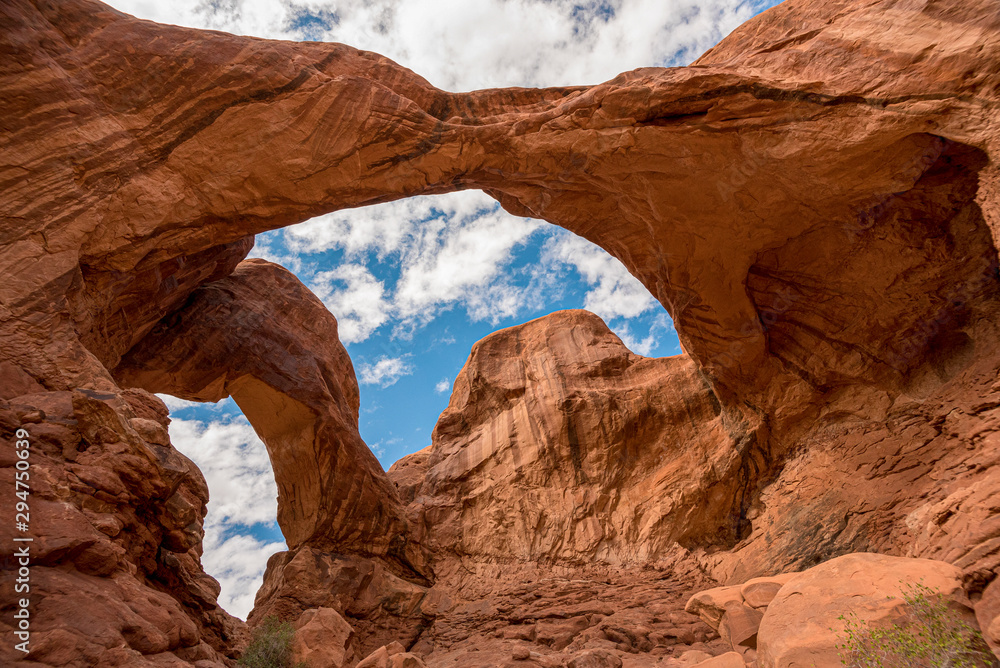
814,201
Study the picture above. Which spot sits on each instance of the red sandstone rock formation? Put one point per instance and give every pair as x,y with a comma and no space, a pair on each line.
802,620
814,201
116,515
260,336
560,446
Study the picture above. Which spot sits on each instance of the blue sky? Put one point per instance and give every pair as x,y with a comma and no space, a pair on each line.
414,284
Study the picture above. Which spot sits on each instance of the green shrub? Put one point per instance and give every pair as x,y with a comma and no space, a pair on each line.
271,646
934,636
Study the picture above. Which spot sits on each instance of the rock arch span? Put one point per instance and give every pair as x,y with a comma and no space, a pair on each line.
263,338
177,136
139,160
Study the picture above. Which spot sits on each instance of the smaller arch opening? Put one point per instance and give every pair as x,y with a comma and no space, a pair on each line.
241,528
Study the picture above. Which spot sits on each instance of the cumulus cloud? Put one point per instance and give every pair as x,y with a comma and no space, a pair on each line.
384,228
243,496
355,297
615,293
270,246
442,386
640,346
461,45
449,250
236,466
237,562
385,372
646,344
461,260
174,404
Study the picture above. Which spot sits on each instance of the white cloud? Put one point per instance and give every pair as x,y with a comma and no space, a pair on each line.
442,386
269,246
462,262
382,228
236,466
385,372
642,347
462,45
238,563
615,293
450,250
355,297
174,404
243,494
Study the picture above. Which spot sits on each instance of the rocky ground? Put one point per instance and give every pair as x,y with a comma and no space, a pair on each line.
815,201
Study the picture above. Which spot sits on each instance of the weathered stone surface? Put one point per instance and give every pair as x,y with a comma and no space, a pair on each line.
690,658
262,337
391,656
727,660
801,625
381,606
817,210
559,445
711,604
920,484
595,658
633,613
758,592
116,517
987,603
322,639
739,626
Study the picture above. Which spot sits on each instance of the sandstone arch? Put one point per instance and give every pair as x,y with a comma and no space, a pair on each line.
186,128
138,160
263,338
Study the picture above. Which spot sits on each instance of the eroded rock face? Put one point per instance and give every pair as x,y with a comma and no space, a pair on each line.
560,446
916,484
262,337
116,515
817,210
323,638
380,606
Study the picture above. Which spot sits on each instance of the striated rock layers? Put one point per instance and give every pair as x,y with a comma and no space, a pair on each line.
560,446
260,336
814,201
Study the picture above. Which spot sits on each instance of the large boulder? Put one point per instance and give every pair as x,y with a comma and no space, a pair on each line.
322,639
392,655
805,622
727,660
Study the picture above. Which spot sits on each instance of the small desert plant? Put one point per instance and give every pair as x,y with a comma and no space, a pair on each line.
271,646
934,636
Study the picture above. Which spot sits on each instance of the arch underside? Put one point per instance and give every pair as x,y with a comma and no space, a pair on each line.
815,206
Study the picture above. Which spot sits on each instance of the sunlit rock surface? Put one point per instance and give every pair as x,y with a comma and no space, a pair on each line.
814,201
